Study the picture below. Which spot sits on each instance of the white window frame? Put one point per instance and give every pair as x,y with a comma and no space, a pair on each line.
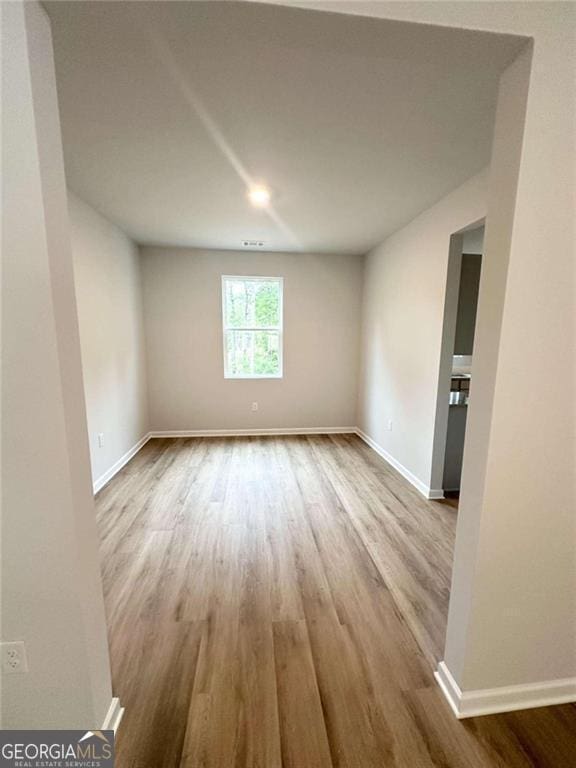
279,329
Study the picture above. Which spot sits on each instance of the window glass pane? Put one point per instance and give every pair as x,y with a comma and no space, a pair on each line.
266,304
253,353
252,303
236,305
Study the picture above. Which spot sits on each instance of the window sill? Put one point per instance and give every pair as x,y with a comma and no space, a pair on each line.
245,377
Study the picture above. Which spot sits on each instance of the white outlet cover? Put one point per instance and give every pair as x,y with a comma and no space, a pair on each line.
14,661
254,406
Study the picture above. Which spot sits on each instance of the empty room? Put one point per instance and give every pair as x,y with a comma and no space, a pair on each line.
288,318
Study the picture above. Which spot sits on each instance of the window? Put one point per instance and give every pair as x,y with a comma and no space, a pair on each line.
252,323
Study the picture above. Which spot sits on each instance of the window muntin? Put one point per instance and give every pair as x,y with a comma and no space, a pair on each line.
252,326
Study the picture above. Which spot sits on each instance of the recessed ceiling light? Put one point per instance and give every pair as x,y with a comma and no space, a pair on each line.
259,196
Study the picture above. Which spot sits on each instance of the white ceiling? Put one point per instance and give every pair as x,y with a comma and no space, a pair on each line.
170,109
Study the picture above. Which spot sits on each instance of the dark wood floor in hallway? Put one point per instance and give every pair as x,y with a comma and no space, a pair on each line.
281,602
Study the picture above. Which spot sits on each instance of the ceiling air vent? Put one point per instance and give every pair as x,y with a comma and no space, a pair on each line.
252,244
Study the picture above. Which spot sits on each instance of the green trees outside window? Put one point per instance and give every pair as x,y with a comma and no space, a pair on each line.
252,316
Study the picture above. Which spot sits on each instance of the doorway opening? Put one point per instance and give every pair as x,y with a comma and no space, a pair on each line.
455,378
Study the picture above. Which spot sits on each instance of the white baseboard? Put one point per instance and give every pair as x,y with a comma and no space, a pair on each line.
428,493
254,432
113,716
115,468
434,494
509,698
425,490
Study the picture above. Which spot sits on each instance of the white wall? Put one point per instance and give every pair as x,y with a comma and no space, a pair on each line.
109,296
512,610
183,318
51,590
402,324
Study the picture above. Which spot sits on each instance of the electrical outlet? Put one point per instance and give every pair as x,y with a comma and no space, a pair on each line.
14,660
254,406
100,439
389,427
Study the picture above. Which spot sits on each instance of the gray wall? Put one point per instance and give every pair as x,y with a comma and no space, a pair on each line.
403,320
512,617
109,296
183,320
467,303
51,588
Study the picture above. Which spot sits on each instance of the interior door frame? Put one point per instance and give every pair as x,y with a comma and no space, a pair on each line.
446,353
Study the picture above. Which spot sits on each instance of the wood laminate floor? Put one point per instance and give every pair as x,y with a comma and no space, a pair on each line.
281,602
